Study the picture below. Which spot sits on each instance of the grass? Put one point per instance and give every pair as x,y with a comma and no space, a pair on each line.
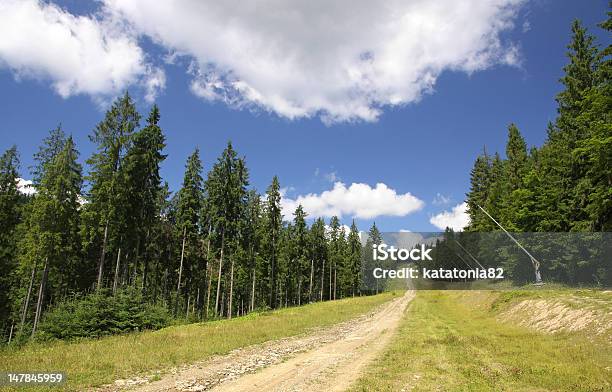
100,361
451,341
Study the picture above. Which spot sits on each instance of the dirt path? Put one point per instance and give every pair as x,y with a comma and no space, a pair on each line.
329,359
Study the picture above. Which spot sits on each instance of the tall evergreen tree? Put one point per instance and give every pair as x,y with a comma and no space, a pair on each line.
299,252
516,154
273,235
9,219
480,184
226,190
354,260
187,220
143,183
320,259
51,146
107,196
54,229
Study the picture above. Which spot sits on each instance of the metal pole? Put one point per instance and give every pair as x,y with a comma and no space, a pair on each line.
534,261
466,251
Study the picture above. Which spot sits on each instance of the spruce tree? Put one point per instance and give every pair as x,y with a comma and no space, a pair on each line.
187,220
143,183
354,262
299,252
54,237
273,234
51,146
107,196
320,259
9,218
480,183
516,154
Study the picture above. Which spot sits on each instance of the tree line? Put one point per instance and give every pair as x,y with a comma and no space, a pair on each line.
566,184
563,186
215,248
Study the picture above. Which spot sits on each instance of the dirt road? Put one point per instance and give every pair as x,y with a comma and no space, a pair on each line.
326,360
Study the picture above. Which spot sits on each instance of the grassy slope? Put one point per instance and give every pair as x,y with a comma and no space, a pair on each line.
95,362
451,341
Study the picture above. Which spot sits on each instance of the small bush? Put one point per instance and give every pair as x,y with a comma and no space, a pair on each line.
100,314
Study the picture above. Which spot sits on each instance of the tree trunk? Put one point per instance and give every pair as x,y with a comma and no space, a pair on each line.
330,281
222,304
311,277
299,293
178,285
27,300
272,276
253,291
41,294
116,271
197,302
187,312
145,264
209,269
210,273
322,280
219,277
101,263
11,333
231,292
335,281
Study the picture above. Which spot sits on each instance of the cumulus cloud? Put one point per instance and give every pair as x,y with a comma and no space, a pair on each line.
343,60
95,55
357,200
456,219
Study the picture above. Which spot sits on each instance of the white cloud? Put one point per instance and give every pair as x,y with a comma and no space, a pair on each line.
358,201
94,55
456,219
25,187
342,60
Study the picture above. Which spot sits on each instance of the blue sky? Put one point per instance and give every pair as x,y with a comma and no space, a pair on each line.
425,146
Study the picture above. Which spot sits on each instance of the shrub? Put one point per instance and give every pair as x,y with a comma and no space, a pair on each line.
100,314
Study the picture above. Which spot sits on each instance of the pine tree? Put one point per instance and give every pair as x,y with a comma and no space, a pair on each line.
226,190
252,236
516,154
299,252
107,196
143,183
51,146
9,219
187,220
273,234
374,239
579,73
480,183
593,153
319,259
54,229
354,255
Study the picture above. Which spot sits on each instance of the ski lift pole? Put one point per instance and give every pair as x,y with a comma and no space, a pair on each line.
466,251
534,261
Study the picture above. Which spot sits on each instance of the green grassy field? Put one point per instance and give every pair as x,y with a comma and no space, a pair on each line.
95,362
454,341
